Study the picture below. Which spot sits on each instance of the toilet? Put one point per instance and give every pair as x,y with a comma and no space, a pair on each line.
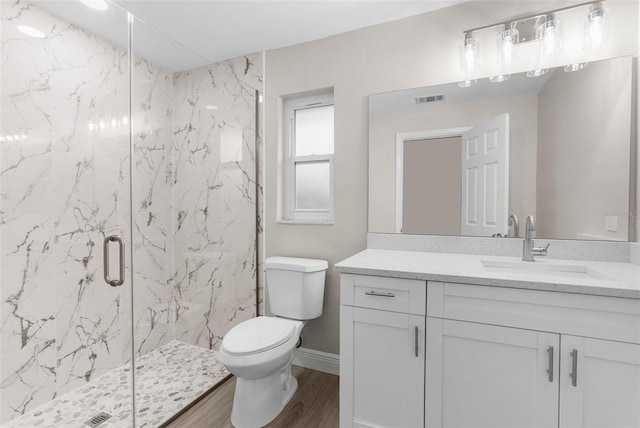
259,351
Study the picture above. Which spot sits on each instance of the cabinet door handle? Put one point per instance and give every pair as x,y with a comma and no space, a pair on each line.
550,369
378,294
416,336
574,367
107,279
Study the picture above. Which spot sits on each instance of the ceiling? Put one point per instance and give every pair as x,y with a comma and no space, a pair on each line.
214,30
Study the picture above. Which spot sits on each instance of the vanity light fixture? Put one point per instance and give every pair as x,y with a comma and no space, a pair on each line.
575,67
96,4
508,46
538,72
596,27
499,78
546,29
550,35
30,31
467,83
469,53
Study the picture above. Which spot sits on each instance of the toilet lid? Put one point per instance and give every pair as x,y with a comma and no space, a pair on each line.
257,335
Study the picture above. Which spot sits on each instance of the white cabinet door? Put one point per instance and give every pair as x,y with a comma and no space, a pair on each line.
481,375
381,369
599,383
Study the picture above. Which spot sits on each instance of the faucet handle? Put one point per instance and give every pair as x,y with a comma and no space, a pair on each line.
539,251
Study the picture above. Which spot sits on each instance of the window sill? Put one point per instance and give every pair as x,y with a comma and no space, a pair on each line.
307,222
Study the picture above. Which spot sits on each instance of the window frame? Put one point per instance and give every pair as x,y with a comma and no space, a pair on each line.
291,213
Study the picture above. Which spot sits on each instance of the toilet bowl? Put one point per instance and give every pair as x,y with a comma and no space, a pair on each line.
260,354
259,351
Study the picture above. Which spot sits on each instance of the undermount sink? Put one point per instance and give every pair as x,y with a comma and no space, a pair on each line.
543,268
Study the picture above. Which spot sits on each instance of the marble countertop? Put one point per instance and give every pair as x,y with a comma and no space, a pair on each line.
601,278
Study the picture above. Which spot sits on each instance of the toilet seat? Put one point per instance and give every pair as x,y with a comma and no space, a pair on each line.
258,335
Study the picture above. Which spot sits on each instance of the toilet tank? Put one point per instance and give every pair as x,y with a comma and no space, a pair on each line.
295,286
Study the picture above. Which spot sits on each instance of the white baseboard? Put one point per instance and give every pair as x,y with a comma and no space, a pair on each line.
317,360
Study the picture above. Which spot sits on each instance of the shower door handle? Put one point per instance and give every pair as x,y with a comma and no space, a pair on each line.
120,280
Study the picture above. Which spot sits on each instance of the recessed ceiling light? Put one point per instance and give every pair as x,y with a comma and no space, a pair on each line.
96,4
30,31
210,107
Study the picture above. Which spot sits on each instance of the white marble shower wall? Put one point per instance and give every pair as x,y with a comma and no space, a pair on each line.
64,187
62,181
214,185
151,113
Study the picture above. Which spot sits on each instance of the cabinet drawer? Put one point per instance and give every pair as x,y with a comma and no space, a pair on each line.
601,317
383,293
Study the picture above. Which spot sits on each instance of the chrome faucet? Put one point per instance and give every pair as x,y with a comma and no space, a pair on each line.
513,221
528,250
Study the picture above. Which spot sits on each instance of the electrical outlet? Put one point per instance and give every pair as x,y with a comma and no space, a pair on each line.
611,223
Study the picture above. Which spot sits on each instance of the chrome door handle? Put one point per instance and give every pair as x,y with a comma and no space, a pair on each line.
377,294
105,248
574,367
550,369
416,335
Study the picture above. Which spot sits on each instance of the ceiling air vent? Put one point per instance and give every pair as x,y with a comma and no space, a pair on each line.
429,99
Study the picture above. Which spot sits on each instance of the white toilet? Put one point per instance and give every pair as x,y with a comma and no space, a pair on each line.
259,351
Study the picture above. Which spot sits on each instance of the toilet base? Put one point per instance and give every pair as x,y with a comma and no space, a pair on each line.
257,402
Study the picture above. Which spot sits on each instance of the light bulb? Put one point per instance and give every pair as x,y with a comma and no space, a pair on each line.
550,35
469,54
596,28
508,46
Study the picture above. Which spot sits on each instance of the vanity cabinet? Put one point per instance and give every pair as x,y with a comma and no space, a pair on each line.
606,391
501,357
382,352
482,375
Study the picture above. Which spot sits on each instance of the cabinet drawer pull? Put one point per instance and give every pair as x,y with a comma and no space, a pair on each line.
574,368
550,369
417,330
377,294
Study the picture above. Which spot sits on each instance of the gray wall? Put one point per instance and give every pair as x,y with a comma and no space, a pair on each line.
583,165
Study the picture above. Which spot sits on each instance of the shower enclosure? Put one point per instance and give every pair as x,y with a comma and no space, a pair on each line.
127,215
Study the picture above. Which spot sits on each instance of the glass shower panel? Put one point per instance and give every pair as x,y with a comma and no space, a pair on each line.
65,348
194,216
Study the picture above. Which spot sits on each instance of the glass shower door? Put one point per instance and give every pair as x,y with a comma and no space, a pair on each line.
194,216
65,348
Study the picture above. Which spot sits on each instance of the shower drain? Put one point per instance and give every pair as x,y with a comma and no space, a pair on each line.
98,419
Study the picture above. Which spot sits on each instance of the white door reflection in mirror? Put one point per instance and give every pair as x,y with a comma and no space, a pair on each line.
485,178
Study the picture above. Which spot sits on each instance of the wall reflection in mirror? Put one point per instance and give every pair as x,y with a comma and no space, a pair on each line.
447,160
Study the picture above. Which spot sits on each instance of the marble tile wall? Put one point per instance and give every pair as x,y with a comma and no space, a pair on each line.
151,112
214,182
65,185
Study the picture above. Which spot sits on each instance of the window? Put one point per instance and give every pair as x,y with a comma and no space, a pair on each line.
309,163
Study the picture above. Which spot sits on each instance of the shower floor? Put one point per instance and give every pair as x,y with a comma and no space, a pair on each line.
167,379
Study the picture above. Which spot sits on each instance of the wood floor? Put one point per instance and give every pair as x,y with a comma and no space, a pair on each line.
314,405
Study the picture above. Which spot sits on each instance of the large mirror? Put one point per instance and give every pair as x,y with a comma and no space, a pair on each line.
476,161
